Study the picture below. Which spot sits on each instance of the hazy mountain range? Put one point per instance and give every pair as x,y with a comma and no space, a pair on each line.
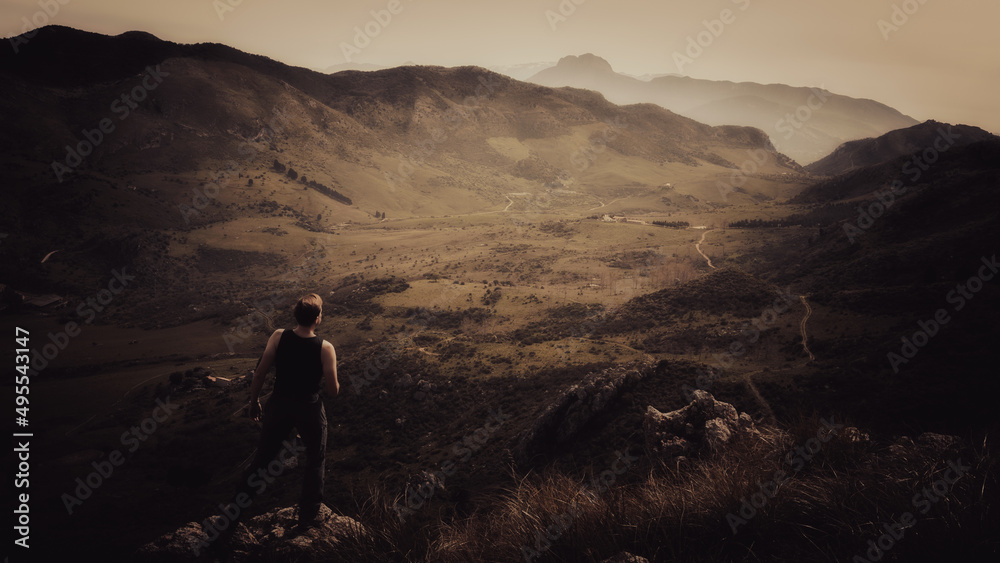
804,123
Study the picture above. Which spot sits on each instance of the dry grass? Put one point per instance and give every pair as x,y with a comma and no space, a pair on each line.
826,511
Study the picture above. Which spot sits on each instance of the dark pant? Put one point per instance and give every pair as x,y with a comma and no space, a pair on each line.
280,415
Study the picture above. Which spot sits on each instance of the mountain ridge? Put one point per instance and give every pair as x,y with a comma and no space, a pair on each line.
805,123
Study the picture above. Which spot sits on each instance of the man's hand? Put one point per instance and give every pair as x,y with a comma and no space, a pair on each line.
254,410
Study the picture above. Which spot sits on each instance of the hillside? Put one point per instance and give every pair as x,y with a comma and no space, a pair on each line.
804,123
565,329
216,138
928,136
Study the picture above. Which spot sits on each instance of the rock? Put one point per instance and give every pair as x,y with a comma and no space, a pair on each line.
563,419
403,382
267,536
625,557
703,426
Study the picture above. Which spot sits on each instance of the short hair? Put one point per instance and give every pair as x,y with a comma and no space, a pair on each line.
307,309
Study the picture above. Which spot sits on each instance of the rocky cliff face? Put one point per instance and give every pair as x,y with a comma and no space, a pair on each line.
576,406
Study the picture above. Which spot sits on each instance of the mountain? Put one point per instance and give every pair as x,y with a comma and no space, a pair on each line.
854,155
521,71
365,67
132,133
804,123
464,130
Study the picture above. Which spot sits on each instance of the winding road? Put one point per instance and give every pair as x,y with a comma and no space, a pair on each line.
49,255
697,246
748,377
802,328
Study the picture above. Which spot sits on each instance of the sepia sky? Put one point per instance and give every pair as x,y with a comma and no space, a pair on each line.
942,61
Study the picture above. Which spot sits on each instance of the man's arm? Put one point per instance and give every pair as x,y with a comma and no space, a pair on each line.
330,382
266,361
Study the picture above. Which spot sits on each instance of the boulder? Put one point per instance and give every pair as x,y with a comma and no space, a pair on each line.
267,536
562,420
704,426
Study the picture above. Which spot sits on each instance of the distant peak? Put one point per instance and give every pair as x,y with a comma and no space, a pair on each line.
586,61
141,35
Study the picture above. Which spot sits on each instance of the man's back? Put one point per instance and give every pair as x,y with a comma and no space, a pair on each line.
298,365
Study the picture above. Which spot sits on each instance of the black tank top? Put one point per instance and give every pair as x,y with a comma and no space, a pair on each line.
298,366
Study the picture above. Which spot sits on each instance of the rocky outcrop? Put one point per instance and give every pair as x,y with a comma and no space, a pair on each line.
704,426
562,420
271,535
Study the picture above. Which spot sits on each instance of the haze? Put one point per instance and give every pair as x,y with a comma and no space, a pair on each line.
940,64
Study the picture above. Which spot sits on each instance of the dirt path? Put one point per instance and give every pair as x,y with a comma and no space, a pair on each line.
603,205
509,204
114,404
49,255
748,377
697,246
802,328
267,321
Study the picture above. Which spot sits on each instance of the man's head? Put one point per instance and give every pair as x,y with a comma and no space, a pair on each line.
308,310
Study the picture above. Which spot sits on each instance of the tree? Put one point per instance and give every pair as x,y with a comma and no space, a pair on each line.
250,182
278,166
292,174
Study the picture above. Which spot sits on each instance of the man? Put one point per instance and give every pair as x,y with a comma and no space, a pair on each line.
303,362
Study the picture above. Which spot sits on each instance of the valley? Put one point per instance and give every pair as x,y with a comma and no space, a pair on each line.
519,282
